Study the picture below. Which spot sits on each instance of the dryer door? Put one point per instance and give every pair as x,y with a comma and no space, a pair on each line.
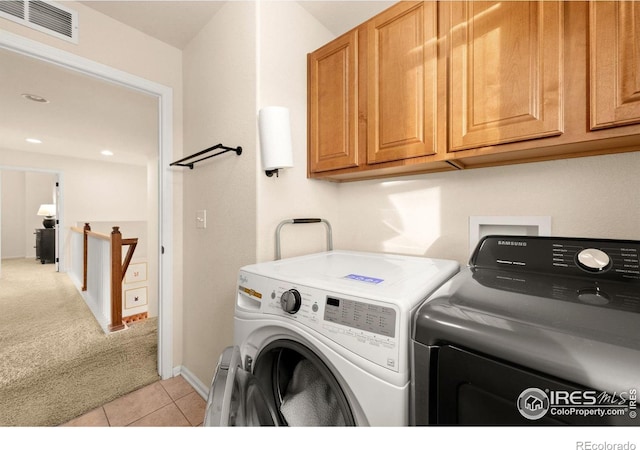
235,399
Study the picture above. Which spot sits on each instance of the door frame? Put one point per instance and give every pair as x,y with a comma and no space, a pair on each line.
59,247
46,53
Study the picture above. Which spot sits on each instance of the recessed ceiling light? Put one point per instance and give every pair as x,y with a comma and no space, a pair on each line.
106,152
33,141
35,98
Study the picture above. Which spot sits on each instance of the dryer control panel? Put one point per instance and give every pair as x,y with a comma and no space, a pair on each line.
365,327
594,259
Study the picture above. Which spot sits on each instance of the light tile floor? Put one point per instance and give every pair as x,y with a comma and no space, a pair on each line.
166,403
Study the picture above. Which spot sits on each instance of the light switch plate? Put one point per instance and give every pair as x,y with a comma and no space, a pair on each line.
201,218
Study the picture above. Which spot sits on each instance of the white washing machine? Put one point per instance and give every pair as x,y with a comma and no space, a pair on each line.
322,340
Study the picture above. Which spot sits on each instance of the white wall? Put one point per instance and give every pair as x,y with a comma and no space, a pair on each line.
92,190
428,214
220,107
287,33
251,54
12,213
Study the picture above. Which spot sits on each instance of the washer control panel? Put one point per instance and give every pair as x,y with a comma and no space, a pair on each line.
365,327
607,259
379,320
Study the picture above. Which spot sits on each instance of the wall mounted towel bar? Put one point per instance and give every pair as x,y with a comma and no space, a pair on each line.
186,162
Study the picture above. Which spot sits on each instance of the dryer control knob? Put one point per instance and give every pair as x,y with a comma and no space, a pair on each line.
593,260
290,301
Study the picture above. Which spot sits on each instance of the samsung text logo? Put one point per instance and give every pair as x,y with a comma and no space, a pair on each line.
513,243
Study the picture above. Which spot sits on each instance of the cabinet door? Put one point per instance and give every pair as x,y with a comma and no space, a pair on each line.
505,80
615,63
402,82
333,105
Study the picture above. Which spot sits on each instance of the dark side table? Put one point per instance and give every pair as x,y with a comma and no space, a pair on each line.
46,245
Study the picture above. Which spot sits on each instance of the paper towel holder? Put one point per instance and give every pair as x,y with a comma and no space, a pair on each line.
270,173
275,139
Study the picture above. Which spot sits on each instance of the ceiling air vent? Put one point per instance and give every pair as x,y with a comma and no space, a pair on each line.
47,17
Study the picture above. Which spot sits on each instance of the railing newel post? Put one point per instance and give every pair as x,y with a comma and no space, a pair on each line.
116,280
85,250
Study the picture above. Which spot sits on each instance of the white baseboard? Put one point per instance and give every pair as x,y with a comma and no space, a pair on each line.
201,388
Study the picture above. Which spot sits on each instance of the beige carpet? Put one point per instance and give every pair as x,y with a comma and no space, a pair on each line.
56,363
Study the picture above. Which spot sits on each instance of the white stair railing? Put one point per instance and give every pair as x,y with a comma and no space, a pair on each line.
97,274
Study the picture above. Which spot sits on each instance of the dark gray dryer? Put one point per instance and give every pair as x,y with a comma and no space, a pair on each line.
537,330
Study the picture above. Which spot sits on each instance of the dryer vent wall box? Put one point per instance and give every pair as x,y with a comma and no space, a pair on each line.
481,226
343,315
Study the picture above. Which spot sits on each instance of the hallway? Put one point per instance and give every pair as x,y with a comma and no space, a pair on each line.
55,361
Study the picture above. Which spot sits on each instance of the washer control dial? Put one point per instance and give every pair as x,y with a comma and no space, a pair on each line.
290,301
593,260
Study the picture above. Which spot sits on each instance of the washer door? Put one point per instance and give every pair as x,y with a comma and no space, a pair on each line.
301,386
235,398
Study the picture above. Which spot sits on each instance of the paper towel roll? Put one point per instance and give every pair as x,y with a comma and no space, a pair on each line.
275,138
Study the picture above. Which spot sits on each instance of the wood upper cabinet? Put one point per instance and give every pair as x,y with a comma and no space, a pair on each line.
505,79
614,63
333,105
402,82
448,85
377,98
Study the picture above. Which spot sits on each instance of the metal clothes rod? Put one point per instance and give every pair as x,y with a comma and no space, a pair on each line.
182,162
